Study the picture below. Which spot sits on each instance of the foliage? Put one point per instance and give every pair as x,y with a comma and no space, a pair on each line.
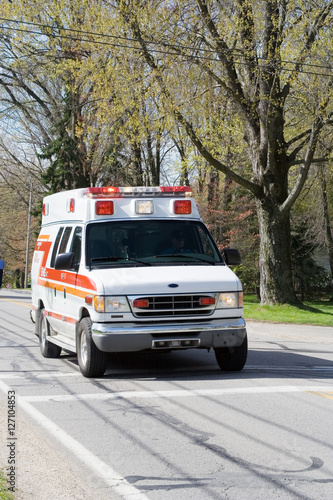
13,230
310,279
249,276
242,90
253,56
72,98
231,218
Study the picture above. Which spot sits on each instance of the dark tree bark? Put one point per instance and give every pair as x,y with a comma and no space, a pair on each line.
276,281
327,220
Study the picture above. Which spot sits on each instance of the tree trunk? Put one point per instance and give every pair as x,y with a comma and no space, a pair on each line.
327,221
137,165
276,280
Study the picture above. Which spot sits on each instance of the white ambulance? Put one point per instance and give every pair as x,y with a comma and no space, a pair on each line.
133,269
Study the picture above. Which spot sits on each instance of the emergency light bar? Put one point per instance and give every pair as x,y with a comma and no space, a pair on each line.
120,192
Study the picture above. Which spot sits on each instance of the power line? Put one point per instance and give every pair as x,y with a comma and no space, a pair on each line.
175,47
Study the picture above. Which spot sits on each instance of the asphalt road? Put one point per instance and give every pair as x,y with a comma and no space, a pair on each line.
168,426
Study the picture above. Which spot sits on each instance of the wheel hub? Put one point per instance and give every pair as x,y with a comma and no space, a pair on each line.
83,348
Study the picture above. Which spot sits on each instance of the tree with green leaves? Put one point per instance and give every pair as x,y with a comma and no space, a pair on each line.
270,62
48,95
248,82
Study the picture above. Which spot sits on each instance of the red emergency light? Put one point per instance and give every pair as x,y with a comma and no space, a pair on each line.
104,207
148,191
100,192
71,205
183,207
45,210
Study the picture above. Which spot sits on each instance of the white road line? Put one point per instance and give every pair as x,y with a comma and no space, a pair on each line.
18,375
24,375
288,368
119,484
175,393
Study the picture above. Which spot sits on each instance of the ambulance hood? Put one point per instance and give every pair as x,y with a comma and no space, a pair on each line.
165,279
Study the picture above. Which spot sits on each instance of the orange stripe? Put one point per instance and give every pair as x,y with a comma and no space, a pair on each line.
61,287
69,278
60,317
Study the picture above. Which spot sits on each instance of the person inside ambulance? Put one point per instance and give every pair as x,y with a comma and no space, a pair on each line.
177,244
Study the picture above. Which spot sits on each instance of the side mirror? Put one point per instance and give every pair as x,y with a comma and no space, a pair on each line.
64,261
232,257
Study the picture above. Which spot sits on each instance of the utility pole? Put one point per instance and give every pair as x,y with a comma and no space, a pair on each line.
28,240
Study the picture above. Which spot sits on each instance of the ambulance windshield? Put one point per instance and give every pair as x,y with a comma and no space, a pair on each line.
150,242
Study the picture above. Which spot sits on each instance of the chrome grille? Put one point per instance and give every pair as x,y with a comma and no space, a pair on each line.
172,305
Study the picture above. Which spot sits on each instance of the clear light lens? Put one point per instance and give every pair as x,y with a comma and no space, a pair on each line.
230,300
144,207
111,304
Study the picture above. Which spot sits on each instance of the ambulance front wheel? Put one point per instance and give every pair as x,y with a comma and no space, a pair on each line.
92,361
232,359
47,349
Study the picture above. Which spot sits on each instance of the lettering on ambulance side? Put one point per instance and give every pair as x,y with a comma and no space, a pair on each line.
43,249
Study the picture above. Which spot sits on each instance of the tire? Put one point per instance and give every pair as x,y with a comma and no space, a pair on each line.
47,348
232,359
92,361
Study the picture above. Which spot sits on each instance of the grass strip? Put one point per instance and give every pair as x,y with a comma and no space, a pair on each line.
4,493
309,313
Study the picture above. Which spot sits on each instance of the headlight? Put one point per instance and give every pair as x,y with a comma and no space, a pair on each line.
230,300
111,304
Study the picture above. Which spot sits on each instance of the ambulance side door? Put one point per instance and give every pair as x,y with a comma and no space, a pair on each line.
51,295
74,295
62,281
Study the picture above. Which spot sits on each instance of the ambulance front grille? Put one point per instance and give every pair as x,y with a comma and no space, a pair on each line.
172,305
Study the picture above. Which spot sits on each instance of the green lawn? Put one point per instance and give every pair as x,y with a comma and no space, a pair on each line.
4,493
311,313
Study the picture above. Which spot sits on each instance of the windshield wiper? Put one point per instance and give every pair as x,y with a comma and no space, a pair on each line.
117,259
185,255
139,261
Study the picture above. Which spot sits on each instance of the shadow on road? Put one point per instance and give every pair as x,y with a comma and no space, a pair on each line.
194,365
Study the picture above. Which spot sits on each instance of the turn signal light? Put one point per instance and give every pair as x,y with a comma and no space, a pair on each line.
141,303
207,301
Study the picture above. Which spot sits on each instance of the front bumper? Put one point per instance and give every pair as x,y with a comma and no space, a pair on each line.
130,337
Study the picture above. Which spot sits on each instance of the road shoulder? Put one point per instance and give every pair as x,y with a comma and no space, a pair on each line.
42,472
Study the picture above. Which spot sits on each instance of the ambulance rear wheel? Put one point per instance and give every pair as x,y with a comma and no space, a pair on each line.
92,361
47,349
232,359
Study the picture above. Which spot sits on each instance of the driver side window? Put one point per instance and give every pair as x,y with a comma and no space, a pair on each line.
76,246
